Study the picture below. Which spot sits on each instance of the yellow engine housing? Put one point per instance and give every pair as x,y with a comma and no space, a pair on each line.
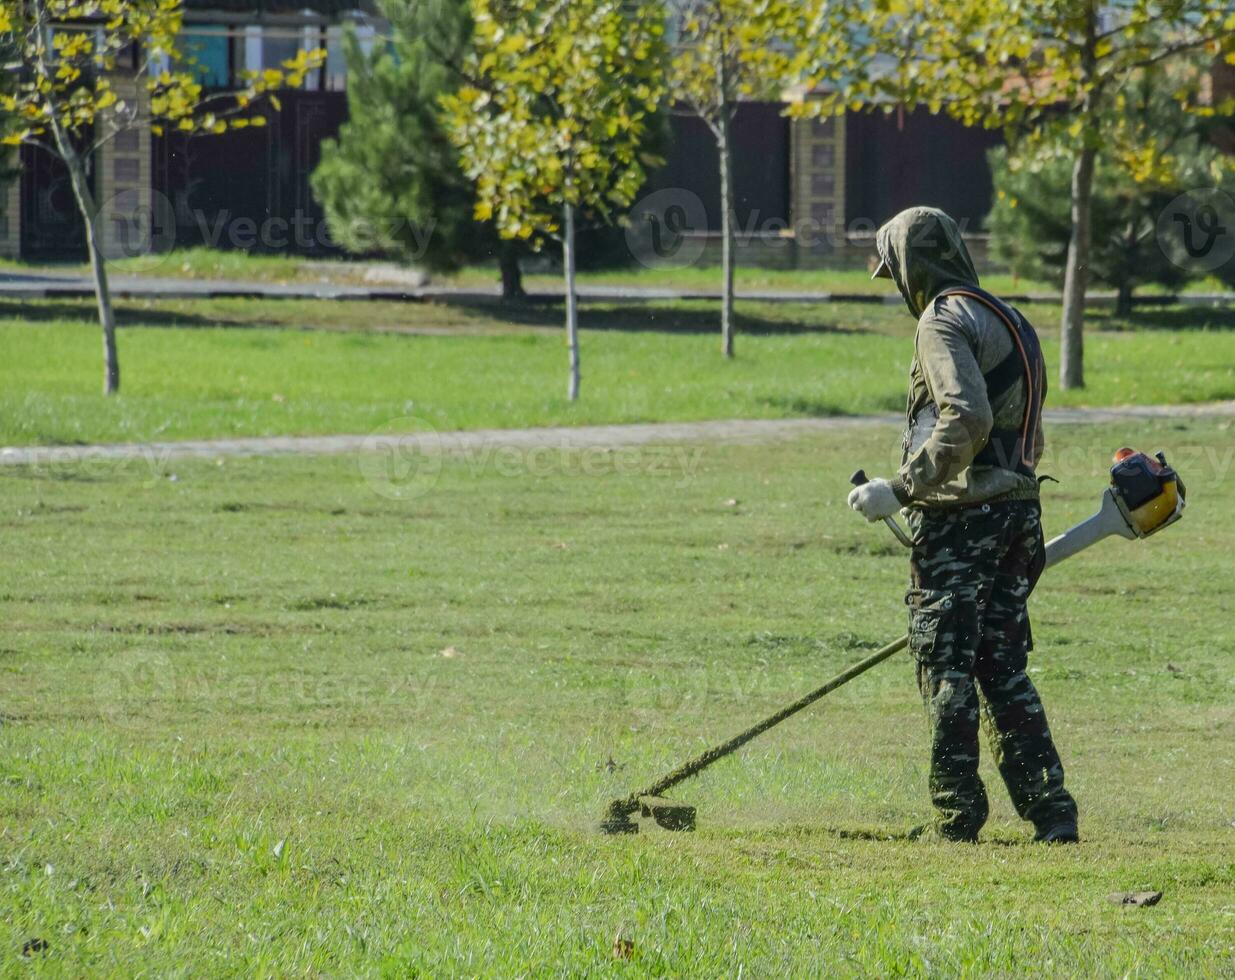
1149,493
1153,515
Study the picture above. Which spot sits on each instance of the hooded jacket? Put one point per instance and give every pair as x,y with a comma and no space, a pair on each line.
958,339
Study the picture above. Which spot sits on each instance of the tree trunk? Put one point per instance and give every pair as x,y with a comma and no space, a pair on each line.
725,154
512,275
572,307
98,262
1123,292
1076,275
107,317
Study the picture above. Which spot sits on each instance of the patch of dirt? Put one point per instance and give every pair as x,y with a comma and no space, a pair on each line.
331,601
871,549
196,629
851,641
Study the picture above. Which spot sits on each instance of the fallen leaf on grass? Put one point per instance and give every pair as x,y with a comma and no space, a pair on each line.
1138,899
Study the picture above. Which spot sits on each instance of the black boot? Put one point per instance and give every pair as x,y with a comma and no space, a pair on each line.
1060,833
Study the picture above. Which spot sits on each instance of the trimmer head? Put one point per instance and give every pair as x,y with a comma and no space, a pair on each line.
617,819
668,814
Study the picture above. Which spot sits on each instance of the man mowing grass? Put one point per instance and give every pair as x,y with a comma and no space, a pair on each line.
967,479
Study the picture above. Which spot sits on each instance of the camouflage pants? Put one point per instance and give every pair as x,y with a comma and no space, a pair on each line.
973,569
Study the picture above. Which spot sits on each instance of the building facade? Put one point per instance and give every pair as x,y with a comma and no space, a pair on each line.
808,192
164,191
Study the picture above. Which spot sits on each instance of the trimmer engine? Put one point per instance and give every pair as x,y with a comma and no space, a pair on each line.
1150,494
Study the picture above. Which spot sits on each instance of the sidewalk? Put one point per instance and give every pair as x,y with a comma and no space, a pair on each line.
736,431
55,285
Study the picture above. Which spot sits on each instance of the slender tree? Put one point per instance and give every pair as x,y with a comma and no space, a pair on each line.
8,84
70,55
554,121
1048,71
727,50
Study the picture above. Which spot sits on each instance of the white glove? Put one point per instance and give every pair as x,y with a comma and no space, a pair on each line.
874,500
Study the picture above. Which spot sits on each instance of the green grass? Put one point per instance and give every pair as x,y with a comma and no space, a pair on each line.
233,743
229,367
704,277
206,263
852,281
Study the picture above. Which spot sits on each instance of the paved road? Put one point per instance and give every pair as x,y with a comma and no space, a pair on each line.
741,431
51,284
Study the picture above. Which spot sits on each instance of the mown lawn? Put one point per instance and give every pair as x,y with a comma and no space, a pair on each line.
237,367
205,263
259,718
850,281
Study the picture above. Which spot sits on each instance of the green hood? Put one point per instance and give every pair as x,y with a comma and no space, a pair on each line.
924,251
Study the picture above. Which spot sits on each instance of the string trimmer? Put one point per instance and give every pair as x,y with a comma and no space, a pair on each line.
1145,496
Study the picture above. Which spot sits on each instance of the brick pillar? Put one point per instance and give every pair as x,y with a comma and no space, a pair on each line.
10,215
123,182
817,174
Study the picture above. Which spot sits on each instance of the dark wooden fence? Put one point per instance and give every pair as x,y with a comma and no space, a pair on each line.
51,225
902,159
761,164
249,188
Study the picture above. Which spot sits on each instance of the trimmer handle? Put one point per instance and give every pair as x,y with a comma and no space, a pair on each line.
859,477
